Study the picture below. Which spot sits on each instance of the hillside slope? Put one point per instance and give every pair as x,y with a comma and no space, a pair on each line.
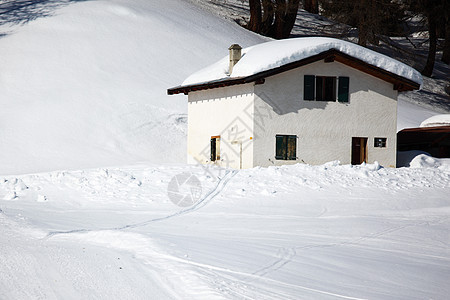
84,84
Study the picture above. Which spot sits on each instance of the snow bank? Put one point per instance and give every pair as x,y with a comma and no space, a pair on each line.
273,54
426,161
420,159
404,158
438,120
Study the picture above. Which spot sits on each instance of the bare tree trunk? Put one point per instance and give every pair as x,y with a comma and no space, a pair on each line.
312,6
291,16
268,15
255,16
374,22
363,26
429,66
274,19
280,13
446,51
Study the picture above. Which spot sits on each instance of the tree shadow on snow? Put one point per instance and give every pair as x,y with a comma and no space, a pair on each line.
19,12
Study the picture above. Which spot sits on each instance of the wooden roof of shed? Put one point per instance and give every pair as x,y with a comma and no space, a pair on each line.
400,83
432,129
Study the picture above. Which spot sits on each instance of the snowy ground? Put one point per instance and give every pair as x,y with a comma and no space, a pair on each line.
83,86
294,232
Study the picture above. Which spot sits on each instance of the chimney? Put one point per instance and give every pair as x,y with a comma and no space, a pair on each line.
235,56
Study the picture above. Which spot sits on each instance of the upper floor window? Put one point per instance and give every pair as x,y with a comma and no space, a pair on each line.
323,88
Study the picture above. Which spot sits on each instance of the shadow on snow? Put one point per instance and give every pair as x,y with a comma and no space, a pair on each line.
19,12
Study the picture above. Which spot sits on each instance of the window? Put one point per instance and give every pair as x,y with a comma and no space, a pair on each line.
286,147
379,142
323,88
215,148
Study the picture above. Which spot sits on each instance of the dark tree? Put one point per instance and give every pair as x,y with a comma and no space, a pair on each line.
372,18
435,15
268,16
255,16
273,18
311,6
429,66
446,51
290,17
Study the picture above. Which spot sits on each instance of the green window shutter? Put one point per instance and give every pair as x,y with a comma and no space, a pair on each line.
343,89
291,147
213,149
308,89
280,150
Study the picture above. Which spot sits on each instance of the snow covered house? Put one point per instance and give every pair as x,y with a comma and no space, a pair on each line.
308,100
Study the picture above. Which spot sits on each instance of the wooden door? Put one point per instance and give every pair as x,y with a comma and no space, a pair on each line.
359,150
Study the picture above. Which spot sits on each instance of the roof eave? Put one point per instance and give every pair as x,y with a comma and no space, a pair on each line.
206,85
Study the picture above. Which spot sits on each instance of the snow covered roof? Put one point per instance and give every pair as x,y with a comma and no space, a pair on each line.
268,56
438,120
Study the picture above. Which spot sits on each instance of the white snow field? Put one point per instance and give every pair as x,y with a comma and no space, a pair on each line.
293,232
82,88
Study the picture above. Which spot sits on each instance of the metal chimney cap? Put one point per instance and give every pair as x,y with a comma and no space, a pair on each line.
235,47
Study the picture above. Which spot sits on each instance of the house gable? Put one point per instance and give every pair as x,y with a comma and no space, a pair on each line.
324,128
225,114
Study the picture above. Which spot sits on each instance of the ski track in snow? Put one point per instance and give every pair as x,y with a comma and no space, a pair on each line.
174,269
204,278
221,184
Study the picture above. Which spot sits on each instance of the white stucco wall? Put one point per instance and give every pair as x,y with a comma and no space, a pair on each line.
324,129
226,112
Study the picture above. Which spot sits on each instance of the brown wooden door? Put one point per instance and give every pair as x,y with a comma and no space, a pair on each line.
359,150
